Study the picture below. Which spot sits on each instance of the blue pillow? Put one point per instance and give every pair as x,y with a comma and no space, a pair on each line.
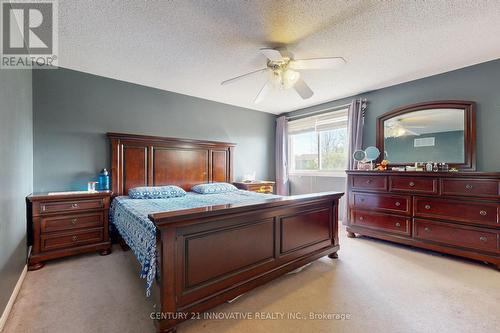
156,192
213,188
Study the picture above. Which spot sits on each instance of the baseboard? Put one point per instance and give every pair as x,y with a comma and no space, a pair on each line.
10,304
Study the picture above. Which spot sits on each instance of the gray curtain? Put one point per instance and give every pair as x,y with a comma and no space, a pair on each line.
282,184
355,124
356,120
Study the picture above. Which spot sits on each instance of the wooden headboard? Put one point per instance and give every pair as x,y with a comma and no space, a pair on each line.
138,160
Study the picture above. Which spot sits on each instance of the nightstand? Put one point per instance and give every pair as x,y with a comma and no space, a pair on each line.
67,224
262,186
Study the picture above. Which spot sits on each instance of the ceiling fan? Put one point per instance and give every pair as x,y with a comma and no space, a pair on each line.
397,128
283,72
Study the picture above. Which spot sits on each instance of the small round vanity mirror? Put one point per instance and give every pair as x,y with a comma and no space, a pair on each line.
359,155
372,153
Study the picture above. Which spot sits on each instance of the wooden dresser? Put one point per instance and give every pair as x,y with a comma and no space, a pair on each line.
454,213
65,225
260,186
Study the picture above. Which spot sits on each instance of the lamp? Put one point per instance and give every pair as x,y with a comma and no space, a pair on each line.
289,78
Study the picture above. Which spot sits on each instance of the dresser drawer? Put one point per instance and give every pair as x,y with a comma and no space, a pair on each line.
369,182
65,206
56,241
69,222
380,221
473,238
414,184
383,202
469,212
471,187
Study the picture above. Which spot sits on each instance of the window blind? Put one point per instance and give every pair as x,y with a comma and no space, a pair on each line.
322,122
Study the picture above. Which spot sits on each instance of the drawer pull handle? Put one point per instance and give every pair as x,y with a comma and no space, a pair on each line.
468,186
369,181
44,208
427,207
74,238
398,224
483,213
75,205
411,184
398,203
483,239
362,200
361,218
73,221
427,229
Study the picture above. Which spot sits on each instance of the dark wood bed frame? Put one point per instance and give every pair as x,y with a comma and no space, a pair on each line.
213,254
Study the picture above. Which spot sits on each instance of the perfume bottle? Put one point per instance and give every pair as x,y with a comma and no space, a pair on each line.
435,167
428,167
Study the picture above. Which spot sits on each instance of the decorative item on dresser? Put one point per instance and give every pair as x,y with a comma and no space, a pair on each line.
260,186
67,224
450,212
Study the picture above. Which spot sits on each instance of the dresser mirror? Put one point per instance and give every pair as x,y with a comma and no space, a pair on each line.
442,132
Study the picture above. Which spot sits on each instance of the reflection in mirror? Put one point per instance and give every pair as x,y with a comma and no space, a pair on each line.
426,135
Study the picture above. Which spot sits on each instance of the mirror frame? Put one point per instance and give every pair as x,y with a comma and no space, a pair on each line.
469,163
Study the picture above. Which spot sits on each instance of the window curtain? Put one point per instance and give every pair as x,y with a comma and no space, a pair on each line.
356,120
282,183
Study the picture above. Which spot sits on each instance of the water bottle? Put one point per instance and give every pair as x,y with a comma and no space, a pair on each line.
104,180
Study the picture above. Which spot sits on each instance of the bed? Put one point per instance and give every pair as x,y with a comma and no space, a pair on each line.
206,249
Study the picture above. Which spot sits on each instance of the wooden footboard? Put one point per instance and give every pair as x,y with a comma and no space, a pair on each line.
213,254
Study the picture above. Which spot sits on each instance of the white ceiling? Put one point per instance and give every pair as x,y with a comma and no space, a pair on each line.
189,47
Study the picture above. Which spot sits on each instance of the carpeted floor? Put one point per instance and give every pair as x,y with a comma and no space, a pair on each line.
381,287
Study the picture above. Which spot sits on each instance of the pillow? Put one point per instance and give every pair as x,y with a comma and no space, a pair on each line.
213,188
156,192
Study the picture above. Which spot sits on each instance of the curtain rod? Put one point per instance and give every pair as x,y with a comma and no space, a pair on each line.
333,108
307,114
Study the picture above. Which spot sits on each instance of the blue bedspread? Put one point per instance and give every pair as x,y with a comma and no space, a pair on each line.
130,218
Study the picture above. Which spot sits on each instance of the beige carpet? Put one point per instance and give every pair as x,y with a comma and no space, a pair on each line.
381,286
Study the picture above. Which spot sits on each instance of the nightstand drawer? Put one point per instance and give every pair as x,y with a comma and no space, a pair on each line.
257,186
69,222
56,241
264,189
65,206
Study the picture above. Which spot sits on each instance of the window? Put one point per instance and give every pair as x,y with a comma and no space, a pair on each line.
318,144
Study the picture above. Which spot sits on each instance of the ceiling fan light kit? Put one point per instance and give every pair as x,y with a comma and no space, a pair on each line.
283,70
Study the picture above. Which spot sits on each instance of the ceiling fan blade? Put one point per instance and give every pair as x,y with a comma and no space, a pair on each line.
303,89
412,132
263,92
317,63
271,54
234,79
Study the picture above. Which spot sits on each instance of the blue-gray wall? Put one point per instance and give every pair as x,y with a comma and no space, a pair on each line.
16,174
479,83
73,111
448,147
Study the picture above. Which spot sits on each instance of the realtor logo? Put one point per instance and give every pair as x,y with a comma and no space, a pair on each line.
29,34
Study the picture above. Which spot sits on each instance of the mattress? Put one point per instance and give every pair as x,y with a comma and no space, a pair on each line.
130,219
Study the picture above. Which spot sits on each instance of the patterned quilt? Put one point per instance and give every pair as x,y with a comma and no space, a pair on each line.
130,218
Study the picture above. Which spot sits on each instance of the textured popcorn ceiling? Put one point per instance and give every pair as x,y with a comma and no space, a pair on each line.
189,47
